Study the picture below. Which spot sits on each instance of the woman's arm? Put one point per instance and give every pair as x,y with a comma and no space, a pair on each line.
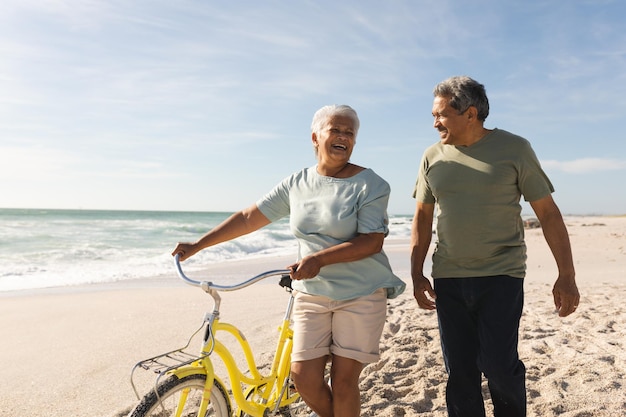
360,247
239,224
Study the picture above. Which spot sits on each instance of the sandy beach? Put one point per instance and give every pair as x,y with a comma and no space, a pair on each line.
69,351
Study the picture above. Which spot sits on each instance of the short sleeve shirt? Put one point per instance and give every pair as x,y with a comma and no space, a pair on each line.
326,211
477,190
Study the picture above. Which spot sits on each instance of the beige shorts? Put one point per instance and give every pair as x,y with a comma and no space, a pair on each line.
350,328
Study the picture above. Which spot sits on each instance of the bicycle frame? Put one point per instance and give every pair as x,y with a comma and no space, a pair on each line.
253,394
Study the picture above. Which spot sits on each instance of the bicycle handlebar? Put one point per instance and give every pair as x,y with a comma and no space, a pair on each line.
207,285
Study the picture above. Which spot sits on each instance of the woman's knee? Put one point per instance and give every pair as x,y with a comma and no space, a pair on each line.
308,374
345,372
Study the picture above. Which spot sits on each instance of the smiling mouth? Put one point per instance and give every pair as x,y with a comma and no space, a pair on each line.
340,147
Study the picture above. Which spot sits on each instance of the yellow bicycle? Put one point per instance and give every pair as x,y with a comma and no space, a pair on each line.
186,384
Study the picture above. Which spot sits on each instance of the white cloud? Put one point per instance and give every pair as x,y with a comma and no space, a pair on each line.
585,165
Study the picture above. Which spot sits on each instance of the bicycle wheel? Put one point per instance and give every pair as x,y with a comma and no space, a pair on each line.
173,389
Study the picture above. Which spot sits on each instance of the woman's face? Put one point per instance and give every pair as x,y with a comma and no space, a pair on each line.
335,142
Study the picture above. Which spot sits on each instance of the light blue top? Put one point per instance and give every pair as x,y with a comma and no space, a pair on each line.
326,211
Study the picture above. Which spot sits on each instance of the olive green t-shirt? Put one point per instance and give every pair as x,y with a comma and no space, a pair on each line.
477,190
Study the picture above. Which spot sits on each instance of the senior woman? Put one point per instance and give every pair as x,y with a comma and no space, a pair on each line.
342,279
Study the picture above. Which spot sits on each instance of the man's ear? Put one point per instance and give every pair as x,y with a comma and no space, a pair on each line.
472,113
314,138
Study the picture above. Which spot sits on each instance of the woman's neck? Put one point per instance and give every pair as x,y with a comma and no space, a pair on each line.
344,171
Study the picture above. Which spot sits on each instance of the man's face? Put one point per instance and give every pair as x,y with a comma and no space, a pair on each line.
453,127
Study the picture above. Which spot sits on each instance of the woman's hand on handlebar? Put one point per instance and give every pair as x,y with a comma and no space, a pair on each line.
308,267
185,250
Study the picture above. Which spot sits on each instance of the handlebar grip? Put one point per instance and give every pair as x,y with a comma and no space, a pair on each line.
182,275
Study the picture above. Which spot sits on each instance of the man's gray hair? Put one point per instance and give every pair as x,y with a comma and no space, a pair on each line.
463,92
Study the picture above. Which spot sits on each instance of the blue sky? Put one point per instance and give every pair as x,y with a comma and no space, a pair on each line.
206,105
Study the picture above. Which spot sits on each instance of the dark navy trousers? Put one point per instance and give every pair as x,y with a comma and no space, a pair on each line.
479,326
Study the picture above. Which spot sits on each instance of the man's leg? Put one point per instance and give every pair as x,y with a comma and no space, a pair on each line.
501,310
459,343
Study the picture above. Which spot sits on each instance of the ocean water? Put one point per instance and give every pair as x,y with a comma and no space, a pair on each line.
55,248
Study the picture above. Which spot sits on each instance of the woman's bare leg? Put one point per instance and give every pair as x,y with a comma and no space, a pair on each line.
344,377
309,379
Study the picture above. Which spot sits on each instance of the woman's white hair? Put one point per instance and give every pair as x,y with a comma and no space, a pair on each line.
322,115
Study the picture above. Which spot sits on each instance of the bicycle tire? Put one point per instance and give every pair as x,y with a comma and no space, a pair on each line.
169,391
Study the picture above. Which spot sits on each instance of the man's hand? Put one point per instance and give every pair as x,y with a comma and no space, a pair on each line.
424,293
566,296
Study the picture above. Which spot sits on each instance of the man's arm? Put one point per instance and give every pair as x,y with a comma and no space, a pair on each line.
421,236
565,291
